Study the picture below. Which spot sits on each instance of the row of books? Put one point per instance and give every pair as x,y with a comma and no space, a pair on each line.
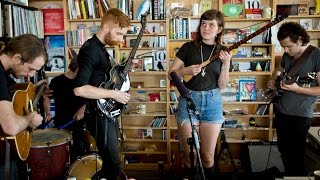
157,8
182,28
19,20
78,36
87,9
158,122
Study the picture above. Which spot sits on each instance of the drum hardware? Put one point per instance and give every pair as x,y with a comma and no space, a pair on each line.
48,148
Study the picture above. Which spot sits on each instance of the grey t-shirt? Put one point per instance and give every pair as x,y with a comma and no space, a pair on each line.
296,104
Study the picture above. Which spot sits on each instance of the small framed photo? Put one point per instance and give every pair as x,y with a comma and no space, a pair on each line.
306,23
148,63
137,65
312,10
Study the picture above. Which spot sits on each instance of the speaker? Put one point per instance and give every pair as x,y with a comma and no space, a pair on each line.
264,156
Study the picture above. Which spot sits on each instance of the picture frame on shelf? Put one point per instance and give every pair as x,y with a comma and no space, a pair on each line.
306,23
303,9
137,65
147,63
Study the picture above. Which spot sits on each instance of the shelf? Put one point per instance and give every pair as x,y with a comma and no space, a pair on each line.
84,20
144,115
144,166
143,140
148,73
146,34
246,129
244,102
143,127
148,89
250,73
228,19
144,152
302,16
251,59
246,116
149,102
144,48
53,74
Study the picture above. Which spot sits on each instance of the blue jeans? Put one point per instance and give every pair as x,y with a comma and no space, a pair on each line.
208,104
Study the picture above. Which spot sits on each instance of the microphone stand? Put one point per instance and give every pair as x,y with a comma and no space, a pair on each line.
194,140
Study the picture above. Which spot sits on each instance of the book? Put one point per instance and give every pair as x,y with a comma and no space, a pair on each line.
53,20
56,55
252,8
247,90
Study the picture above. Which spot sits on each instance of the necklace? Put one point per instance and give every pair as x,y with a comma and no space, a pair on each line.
203,70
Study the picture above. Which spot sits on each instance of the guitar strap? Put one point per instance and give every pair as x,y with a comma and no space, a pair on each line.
301,60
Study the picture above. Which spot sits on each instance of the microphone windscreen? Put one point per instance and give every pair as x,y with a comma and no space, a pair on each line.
184,92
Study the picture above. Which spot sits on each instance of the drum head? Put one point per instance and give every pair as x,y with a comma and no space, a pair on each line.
51,136
85,167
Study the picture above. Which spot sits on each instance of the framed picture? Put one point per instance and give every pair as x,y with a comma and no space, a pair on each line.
137,65
306,23
147,63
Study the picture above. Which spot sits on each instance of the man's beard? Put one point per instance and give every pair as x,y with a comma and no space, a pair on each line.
113,43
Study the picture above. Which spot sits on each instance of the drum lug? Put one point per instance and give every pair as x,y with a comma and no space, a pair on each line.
48,148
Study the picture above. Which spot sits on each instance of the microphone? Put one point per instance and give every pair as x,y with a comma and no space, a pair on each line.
184,92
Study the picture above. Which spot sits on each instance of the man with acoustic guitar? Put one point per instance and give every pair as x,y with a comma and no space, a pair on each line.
294,108
94,63
22,56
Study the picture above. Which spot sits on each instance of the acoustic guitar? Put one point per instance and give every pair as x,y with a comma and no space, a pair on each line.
25,100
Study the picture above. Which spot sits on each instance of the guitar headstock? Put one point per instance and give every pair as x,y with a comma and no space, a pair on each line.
144,17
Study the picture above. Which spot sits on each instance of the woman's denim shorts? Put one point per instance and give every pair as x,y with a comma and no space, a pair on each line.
207,103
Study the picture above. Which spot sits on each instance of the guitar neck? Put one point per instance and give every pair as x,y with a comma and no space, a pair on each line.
136,45
244,40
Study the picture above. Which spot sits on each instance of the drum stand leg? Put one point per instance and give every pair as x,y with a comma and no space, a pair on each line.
7,161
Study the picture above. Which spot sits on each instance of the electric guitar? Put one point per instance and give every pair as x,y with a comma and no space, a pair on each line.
118,79
272,94
25,100
189,79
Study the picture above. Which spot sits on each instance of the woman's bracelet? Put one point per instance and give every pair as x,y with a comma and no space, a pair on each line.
225,67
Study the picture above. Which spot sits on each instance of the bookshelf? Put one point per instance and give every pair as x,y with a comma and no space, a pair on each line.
19,18
140,152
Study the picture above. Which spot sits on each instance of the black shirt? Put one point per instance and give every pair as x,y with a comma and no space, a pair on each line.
93,61
66,102
190,55
5,83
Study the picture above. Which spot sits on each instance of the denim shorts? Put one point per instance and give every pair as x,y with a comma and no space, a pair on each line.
207,103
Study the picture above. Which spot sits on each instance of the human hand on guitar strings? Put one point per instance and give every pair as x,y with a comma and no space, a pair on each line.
194,69
121,97
35,119
290,87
